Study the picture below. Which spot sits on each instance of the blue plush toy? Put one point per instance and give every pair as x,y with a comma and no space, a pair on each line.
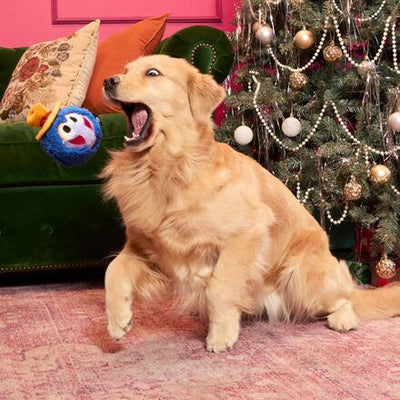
70,135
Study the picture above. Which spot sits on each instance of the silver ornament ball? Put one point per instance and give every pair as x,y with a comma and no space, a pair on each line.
243,134
291,126
394,121
265,34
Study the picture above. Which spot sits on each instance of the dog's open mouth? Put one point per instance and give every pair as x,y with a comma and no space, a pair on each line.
139,122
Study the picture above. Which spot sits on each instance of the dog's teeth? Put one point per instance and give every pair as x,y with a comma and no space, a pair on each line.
134,136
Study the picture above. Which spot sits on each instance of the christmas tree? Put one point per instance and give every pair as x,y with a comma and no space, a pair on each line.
315,99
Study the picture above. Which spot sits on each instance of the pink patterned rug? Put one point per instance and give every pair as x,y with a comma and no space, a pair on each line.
54,345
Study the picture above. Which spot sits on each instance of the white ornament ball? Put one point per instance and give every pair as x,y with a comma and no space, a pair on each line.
291,126
265,34
243,134
394,121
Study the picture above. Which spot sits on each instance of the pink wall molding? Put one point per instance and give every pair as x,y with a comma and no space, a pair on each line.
52,19
128,11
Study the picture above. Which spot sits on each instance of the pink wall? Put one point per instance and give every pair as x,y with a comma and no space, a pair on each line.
24,22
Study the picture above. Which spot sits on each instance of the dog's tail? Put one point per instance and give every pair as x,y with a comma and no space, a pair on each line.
383,302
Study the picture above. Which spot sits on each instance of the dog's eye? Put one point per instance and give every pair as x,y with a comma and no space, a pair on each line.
152,72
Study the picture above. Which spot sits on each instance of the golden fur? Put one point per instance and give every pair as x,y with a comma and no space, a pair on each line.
213,227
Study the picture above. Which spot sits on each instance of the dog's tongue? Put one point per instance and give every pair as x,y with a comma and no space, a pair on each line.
139,118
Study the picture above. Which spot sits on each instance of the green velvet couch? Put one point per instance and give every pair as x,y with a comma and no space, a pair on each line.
53,217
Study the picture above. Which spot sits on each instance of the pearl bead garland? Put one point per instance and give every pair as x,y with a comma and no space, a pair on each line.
313,58
397,191
358,142
304,142
389,25
341,219
394,49
381,45
362,19
306,194
315,127
342,44
269,130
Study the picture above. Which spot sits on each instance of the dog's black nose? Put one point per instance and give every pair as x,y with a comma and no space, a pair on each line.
110,83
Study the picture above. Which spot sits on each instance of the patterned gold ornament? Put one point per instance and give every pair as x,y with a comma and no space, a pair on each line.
380,174
332,52
385,269
304,39
352,190
298,80
366,67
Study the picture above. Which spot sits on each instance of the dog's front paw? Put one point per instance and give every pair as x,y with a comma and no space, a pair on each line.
219,345
118,300
119,323
219,340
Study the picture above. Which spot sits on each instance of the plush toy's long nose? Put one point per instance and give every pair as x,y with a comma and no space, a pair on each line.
110,83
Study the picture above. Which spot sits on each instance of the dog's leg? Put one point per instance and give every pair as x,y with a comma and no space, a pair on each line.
226,293
224,320
342,317
320,286
121,279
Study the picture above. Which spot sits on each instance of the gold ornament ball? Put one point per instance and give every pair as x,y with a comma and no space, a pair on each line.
255,27
304,39
298,80
386,269
380,174
332,52
352,190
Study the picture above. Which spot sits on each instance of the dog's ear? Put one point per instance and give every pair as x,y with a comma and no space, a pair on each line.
204,95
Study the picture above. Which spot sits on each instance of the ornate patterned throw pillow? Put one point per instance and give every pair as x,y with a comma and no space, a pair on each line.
50,72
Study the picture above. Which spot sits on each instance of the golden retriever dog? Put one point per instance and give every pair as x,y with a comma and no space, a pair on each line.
209,225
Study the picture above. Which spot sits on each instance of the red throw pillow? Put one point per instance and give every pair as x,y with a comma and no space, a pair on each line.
118,50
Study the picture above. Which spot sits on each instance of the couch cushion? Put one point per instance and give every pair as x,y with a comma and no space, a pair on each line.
49,72
8,61
118,50
59,226
23,161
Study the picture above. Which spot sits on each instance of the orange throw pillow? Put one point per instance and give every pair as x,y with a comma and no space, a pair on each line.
118,50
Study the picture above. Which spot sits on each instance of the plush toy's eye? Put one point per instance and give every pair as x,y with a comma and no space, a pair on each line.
66,129
153,72
73,117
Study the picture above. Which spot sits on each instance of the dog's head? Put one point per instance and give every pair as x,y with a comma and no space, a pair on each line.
158,93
